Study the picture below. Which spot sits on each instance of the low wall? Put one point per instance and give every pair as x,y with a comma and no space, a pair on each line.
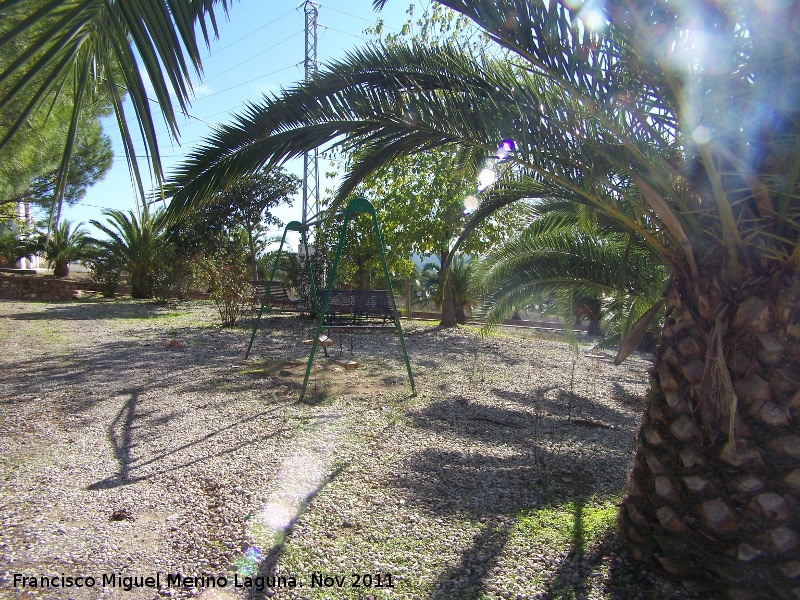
39,287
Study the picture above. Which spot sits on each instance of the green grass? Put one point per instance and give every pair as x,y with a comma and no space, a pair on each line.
576,523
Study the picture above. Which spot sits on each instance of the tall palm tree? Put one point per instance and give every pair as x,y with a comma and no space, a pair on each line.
677,122
92,44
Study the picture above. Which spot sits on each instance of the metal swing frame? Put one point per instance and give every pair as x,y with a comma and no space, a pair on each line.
303,230
355,206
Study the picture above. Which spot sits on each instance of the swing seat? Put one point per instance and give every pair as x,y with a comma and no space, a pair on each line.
349,365
323,340
278,297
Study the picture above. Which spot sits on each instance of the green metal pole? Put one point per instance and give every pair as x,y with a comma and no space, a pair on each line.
324,307
394,306
357,205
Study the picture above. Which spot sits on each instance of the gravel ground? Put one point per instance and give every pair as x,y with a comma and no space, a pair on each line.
135,440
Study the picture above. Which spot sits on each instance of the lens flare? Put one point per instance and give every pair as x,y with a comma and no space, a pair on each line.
300,477
505,148
594,19
470,204
486,178
702,134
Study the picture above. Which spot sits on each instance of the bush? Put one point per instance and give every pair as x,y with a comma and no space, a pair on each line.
231,288
105,269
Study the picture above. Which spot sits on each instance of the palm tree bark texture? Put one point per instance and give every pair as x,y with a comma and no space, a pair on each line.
718,451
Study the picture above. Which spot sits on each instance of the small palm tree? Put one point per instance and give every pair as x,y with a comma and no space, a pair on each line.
584,270
18,242
461,273
66,246
137,242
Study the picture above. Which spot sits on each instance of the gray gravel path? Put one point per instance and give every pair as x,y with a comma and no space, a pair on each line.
122,454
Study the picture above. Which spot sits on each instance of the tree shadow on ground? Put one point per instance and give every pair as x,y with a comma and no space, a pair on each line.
110,368
492,491
71,310
465,580
121,434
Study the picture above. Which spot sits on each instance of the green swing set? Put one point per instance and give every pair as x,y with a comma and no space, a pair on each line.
355,206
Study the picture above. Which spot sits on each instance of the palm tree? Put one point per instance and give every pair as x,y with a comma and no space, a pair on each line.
583,269
678,123
139,244
94,44
460,277
66,246
17,241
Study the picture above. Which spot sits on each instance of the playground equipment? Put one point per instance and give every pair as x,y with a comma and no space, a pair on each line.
357,305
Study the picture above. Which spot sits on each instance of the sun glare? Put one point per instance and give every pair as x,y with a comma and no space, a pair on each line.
486,178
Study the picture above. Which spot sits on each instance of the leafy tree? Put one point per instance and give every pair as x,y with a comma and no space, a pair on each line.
90,162
678,123
248,202
77,48
420,204
420,198
65,246
245,207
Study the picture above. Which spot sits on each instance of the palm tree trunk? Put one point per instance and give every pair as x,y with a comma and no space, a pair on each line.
448,306
714,491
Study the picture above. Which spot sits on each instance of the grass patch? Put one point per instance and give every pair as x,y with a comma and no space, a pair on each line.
578,524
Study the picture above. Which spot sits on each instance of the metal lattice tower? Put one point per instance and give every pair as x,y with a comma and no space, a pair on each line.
311,189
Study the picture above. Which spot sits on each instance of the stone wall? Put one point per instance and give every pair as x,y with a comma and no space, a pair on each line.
39,287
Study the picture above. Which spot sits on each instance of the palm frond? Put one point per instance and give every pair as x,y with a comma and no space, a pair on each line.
113,43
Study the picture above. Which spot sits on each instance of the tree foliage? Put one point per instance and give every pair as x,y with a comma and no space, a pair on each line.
67,245
76,48
577,266
137,243
237,218
29,161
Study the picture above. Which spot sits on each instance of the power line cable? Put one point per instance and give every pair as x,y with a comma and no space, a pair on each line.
360,37
248,81
254,56
131,119
356,16
251,33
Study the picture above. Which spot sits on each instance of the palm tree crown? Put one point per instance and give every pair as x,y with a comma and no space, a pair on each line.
103,44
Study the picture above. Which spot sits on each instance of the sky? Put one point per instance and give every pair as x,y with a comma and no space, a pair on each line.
260,49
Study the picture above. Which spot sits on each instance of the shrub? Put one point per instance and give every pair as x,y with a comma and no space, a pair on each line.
105,269
231,288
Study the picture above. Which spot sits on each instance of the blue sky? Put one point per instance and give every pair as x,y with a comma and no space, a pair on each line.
259,50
